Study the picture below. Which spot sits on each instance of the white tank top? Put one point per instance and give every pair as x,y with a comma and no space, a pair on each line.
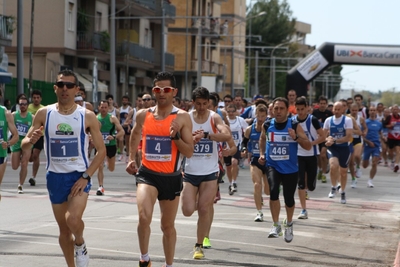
358,121
205,156
65,141
312,135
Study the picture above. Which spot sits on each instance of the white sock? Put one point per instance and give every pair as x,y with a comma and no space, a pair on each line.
145,257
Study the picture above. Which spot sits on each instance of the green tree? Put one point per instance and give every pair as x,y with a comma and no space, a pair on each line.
276,27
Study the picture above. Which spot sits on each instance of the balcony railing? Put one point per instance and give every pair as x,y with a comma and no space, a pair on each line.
7,27
136,51
170,10
150,4
169,59
93,41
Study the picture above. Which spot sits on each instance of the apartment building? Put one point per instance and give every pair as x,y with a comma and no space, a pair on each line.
195,39
7,27
75,33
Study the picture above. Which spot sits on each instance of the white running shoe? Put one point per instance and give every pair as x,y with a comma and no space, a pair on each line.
358,172
370,184
81,256
288,234
343,198
303,215
120,157
332,193
20,191
354,183
259,217
276,231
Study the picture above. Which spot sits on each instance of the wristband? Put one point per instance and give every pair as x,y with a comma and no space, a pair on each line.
297,137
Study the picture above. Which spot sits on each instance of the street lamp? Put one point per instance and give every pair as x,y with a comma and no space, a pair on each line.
233,51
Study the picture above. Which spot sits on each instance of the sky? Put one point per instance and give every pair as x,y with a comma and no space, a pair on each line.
358,22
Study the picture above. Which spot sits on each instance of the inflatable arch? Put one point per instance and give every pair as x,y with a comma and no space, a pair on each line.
329,54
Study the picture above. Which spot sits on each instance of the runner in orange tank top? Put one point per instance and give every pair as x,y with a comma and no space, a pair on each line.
167,136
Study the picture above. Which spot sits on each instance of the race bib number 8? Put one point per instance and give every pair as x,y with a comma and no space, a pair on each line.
158,148
279,152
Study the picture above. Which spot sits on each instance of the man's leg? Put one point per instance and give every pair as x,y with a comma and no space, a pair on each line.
24,166
256,176
205,204
189,199
146,196
35,158
168,210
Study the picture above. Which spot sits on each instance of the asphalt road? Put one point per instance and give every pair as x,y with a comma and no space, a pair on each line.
363,232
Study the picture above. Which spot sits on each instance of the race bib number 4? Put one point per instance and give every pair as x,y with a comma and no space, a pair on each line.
158,148
279,151
255,146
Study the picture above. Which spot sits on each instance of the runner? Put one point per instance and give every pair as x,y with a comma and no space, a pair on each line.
392,122
278,149
123,115
339,129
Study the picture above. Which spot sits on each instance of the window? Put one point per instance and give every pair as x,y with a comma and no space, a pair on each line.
70,17
98,21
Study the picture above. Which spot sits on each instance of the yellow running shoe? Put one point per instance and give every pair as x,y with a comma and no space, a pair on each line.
198,253
206,242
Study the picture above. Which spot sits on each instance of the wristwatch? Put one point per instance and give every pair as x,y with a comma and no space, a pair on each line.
85,176
176,137
206,135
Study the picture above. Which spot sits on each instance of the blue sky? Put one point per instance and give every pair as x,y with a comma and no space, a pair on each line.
359,22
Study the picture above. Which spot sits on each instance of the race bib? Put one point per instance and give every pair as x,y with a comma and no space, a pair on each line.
64,147
105,135
22,128
255,145
279,151
205,146
158,148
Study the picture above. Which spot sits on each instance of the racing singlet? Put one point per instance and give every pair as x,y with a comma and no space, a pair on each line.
394,133
3,130
65,141
311,134
281,149
160,152
253,146
107,128
338,131
123,113
204,160
22,125
358,121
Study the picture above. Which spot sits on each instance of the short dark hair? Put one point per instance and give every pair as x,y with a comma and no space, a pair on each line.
36,92
165,76
228,96
125,97
213,99
215,95
23,98
260,101
322,98
177,99
200,92
261,108
301,101
358,95
284,100
110,96
68,72
350,98
140,95
81,88
104,101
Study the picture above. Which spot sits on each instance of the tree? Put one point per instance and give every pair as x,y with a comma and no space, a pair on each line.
276,27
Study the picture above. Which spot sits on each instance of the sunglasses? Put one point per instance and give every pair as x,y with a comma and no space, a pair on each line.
146,99
67,84
23,104
227,101
166,89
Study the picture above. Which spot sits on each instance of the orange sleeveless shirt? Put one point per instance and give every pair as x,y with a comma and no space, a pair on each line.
160,152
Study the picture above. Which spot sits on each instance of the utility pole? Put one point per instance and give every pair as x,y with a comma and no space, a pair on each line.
20,47
31,48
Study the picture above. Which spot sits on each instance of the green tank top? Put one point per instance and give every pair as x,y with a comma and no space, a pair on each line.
3,130
22,125
107,128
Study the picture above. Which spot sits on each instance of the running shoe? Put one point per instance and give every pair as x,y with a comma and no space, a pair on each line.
120,157
307,196
343,198
319,176
81,256
288,234
32,181
234,187
323,178
206,242
354,183
100,191
370,184
332,193
396,168
276,231
198,253
231,190
259,217
20,191
303,215
358,172
145,263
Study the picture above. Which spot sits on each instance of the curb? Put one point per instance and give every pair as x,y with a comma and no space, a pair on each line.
397,259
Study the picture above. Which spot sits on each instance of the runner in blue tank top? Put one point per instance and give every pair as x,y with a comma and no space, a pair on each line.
278,148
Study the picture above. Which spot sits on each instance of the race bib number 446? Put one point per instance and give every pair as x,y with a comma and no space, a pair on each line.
279,151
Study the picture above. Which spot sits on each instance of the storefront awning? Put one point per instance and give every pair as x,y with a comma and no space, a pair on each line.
86,81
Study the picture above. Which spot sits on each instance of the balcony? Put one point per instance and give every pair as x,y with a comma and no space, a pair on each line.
169,61
150,4
136,51
170,12
7,27
93,41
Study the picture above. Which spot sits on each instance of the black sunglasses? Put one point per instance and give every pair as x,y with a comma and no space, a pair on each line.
67,84
146,99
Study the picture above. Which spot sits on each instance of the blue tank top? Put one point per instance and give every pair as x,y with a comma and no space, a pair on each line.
254,138
338,131
281,149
